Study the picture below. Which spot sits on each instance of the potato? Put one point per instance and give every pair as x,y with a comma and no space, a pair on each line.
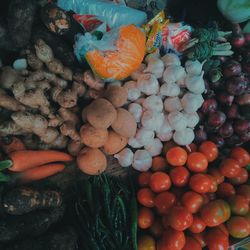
115,143
124,123
116,95
101,113
91,161
93,137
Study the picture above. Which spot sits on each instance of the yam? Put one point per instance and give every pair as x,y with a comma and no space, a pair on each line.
116,95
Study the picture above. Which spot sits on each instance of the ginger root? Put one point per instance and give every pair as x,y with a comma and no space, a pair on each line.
68,129
68,115
9,102
8,77
43,51
10,128
74,147
33,61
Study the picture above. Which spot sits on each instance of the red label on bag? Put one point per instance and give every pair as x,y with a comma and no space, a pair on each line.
89,22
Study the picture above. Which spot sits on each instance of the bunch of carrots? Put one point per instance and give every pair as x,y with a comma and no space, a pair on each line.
30,165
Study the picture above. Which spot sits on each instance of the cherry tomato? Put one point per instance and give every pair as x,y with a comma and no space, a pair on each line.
238,227
143,179
176,156
198,225
180,218
247,216
146,197
230,168
241,155
200,237
239,204
216,239
145,218
215,212
158,163
206,198
179,176
171,240
209,149
164,201
157,228
217,175
225,190
159,182
168,145
166,221
191,148
200,183
197,162
241,178
192,201
244,190
223,228
191,244
214,185
146,242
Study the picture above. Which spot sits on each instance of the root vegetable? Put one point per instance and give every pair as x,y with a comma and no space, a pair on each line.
142,160
91,161
8,77
60,142
10,128
152,120
192,119
173,74
170,89
43,51
67,74
74,147
177,120
171,59
152,56
155,67
148,84
93,81
165,129
191,102
172,104
44,85
153,103
33,61
68,115
144,136
9,102
116,95
136,110
49,136
164,136
133,92
11,144
55,66
94,94
184,137
135,75
125,157
133,142
193,67
68,129
55,121
195,83
154,147
124,124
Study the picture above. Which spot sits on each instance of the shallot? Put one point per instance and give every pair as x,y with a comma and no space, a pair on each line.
142,160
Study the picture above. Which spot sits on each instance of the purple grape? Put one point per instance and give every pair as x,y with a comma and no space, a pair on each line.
216,119
218,140
209,105
241,126
200,134
226,130
225,99
232,112
236,85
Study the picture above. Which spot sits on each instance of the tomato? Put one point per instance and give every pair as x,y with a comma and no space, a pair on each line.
146,242
191,148
191,244
211,196
176,156
143,179
179,176
217,175
159,182
223,228
209,149
145,197
192,201
238,227
206,198
245,191
197,162
247,216
200,237
214,185
230,168
180,218
200,183
215,212
164,201
178,192
157,228
158,163
198,225
225,190
241,178
171,240
216,239
145,218
241,155
166,221
239,204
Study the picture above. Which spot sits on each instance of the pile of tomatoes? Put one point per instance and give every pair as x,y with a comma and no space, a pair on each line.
192,200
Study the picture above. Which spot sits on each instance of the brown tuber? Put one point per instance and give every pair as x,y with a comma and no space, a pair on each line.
116,95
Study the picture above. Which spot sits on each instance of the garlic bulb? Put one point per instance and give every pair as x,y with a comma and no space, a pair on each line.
148,84
153,103
154,147
181,83
165,136
125,157
165,127
173,74
155,67
195,83
172,104
170,89
193,67
184,137
152,120
135,75
144,135
191,102
133,142
133,92
142,160
154,55
177,120
171,59
136,110
192,119
140,101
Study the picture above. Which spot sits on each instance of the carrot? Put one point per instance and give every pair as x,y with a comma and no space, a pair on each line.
11,144
26,159
41,172
159,163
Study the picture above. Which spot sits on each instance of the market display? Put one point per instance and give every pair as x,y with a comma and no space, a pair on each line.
123,130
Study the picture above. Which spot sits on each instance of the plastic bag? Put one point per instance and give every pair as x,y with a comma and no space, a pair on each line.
115,15
116,55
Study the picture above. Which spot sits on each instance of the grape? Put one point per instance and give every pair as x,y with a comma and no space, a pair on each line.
209,105
216,119
241,126
226,130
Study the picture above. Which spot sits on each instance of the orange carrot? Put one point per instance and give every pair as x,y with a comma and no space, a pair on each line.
11,144
41,172
26,159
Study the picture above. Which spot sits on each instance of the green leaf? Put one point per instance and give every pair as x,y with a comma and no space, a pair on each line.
5,164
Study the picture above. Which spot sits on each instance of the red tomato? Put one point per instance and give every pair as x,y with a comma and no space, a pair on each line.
146,242
158,163
159,182
191,244
179,176
206,198
238,227
245,191
176,156
157,228
164,201
171,240
145,218
198,225
241,178
143,179
223,228
197,162
180,218
200,183
192,201
166,221
192,148
230,168
247,216
215,213
178,192
209,149
200,237
214,185
216,239
239,204
241,155
217,175
225,190
145,197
